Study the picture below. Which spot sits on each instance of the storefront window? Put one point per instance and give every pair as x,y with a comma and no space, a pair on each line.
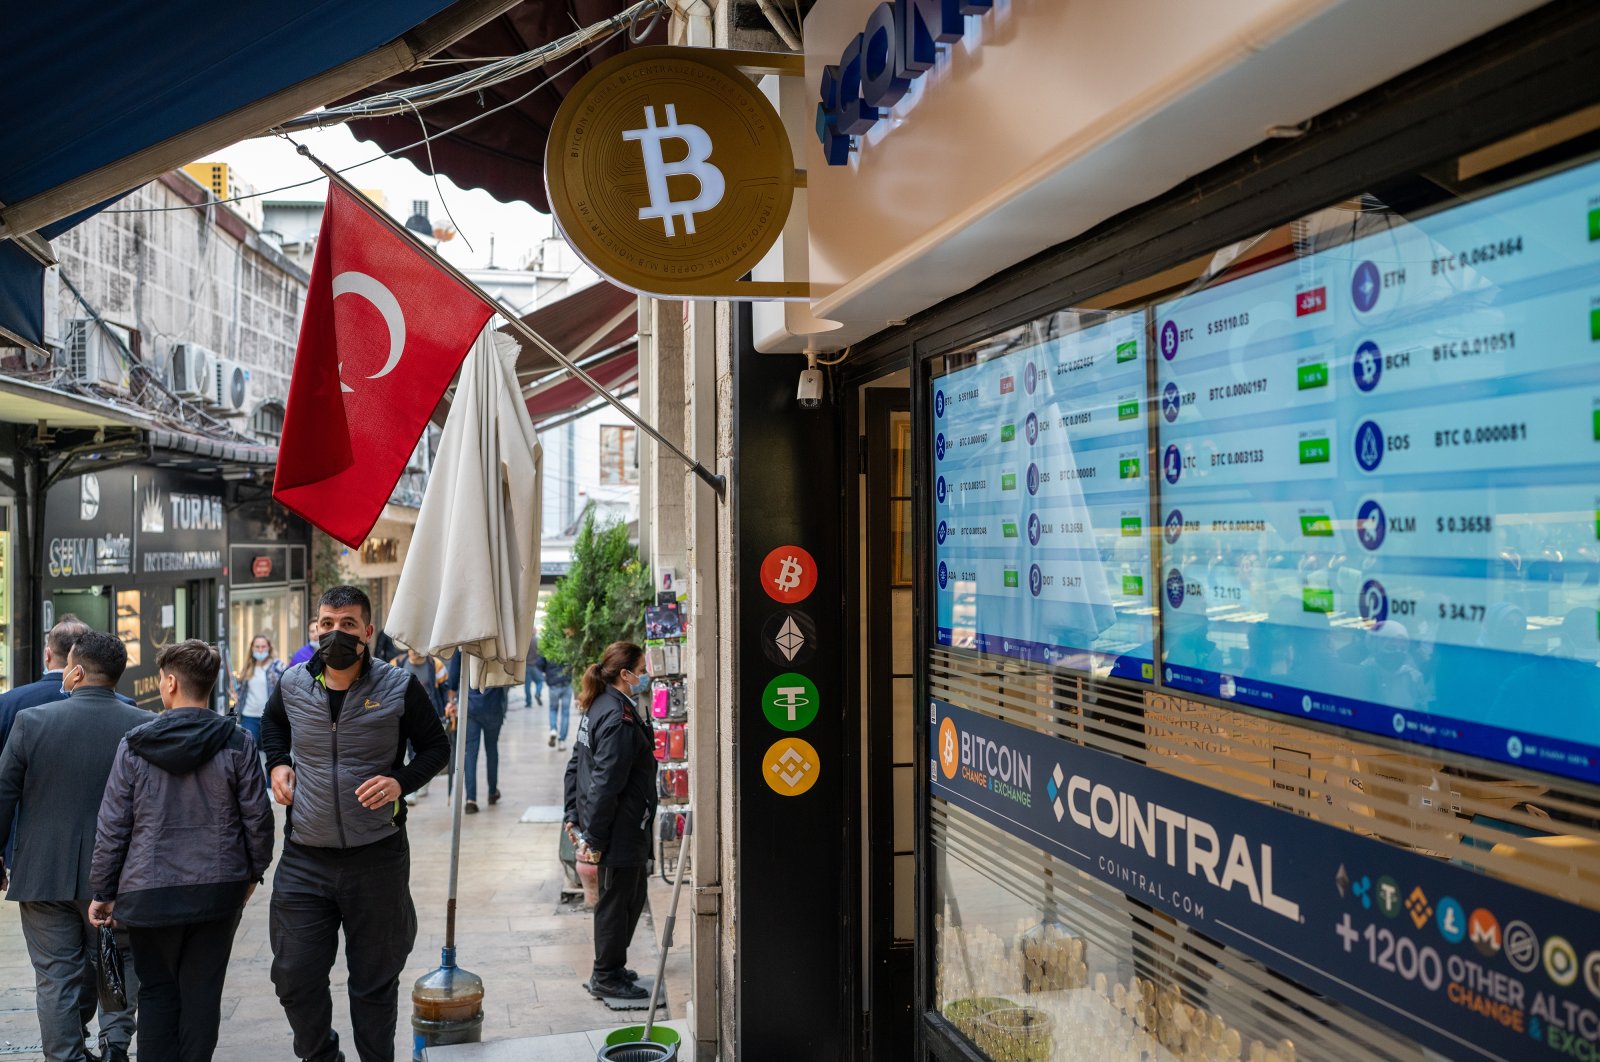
619,455
1301,531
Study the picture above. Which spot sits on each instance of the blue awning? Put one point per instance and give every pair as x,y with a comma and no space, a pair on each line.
101,98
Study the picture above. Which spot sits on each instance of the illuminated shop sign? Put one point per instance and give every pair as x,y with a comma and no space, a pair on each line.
899,45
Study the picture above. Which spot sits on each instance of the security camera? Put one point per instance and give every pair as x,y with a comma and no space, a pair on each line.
809,394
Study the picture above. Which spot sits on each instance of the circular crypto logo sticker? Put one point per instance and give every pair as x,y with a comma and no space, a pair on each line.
1033,479
791,766
1521,946
790,701
1452,920
789,638
1374,602
1175,588
1035,580
1560,961
1483,930
949,740
669,171
1035,529
1171,402
1174,526
1369,446
1172,463
938,446
788,575
1371,524
1030,377
1030,428
938,403
940,490
1367,365
943,532
1365,284
1169,340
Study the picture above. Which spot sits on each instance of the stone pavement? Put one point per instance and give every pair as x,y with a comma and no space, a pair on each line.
531,950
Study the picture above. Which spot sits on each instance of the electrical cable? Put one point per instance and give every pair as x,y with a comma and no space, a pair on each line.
383,155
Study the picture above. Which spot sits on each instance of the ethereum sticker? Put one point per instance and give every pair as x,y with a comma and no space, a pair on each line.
789,638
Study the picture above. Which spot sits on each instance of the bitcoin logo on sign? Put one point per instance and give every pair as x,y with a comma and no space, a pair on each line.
695,164
788,574
669,172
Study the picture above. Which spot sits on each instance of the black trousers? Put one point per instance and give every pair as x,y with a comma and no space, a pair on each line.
181,970
616,915
367,891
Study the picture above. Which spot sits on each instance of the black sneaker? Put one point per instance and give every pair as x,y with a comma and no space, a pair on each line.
616,989
494,797
630,976
472,807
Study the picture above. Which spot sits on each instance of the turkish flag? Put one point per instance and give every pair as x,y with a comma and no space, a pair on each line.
384,331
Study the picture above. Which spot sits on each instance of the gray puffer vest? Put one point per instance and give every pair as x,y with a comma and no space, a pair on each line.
332,758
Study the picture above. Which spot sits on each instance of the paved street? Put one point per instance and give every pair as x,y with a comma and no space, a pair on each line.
531,950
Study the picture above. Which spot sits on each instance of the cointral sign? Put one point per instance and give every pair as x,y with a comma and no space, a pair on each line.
1471,966
670,172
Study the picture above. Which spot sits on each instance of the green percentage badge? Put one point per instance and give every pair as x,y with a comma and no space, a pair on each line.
790,702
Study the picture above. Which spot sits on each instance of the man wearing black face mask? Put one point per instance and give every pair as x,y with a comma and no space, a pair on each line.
335,735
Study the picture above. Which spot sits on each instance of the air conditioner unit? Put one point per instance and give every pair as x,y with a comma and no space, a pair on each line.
193,374
93,356
230,393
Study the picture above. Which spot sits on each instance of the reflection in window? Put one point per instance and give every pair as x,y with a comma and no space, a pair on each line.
619,455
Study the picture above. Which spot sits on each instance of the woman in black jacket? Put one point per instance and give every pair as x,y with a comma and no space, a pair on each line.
611,804
184,837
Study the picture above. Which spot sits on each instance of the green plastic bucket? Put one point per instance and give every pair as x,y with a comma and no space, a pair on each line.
632,1034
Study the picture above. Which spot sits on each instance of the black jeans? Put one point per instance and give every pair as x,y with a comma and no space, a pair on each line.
366,890
616,915
181,970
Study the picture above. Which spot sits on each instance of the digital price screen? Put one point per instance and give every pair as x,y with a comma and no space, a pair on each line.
1041,501
1379,478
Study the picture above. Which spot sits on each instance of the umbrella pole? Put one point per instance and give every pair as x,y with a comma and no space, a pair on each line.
447,1002
457,809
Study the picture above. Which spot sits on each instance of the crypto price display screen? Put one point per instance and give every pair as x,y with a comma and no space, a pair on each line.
1041,498
1379,478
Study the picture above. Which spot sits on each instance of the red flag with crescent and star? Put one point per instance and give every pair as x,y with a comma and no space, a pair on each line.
384,331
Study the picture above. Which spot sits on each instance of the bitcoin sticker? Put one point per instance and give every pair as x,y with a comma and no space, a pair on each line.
789,574
669,171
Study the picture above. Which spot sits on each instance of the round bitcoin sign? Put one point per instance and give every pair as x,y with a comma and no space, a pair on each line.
669,171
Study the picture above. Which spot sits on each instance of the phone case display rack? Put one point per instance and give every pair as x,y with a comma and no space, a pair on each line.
667,705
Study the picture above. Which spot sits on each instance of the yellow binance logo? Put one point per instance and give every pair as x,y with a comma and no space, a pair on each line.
791,767
371,704
1418,907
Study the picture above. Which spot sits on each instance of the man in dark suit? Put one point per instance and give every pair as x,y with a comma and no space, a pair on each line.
57,644
52,775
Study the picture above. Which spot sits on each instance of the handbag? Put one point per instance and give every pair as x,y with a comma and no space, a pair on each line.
111,967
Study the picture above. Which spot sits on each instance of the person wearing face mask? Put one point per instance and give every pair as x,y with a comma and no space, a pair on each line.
54,772
184,837
610,805
255,683
335,735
